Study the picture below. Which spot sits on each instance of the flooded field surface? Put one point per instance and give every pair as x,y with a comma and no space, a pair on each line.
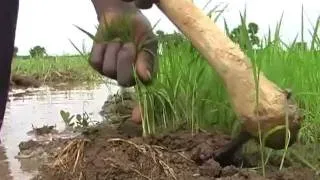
36,107
35,143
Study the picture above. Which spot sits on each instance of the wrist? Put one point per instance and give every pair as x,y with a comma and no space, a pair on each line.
104,7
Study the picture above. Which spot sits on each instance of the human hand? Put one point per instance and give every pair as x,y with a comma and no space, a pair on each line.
115,59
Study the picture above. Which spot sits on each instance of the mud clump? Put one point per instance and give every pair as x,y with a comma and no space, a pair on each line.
43,130
22,81
107,156
108,153
118,107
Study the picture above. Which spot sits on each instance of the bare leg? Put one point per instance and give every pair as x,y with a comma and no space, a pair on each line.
8,21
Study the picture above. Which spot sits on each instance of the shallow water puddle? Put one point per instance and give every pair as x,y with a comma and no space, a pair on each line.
39,107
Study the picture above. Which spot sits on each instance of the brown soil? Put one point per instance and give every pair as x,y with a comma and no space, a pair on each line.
21,81
118,107
60,81
117,151
109,153
43,130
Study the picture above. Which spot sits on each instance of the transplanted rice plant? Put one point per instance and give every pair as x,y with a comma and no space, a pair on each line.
187,91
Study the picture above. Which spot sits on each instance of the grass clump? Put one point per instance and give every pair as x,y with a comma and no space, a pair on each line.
187,90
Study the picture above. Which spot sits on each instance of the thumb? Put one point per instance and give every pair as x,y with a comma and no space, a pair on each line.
136,115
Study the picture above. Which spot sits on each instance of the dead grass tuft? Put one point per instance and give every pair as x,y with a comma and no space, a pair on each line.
71,156
155,153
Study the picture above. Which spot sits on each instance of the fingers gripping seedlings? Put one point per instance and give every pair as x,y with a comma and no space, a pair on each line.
122,45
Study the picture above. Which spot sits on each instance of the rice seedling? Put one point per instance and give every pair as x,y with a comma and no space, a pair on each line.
187,91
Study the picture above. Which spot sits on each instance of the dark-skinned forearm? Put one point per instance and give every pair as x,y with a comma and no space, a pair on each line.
109,6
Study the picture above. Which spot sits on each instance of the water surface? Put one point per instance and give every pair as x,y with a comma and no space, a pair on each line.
37,108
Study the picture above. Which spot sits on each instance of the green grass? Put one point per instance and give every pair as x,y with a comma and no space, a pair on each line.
298,70
188,91
56,70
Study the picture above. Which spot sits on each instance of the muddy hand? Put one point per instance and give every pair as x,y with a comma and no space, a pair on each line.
116,59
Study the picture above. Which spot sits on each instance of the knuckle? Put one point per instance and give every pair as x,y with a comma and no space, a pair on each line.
127,53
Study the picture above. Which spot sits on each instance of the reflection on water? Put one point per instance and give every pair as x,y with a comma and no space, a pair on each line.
4,165
42,107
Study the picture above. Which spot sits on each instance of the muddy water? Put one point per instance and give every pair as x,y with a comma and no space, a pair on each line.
39,107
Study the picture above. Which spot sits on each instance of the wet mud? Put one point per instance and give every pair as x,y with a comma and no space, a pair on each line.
22,81
38,131
116,150
110,153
